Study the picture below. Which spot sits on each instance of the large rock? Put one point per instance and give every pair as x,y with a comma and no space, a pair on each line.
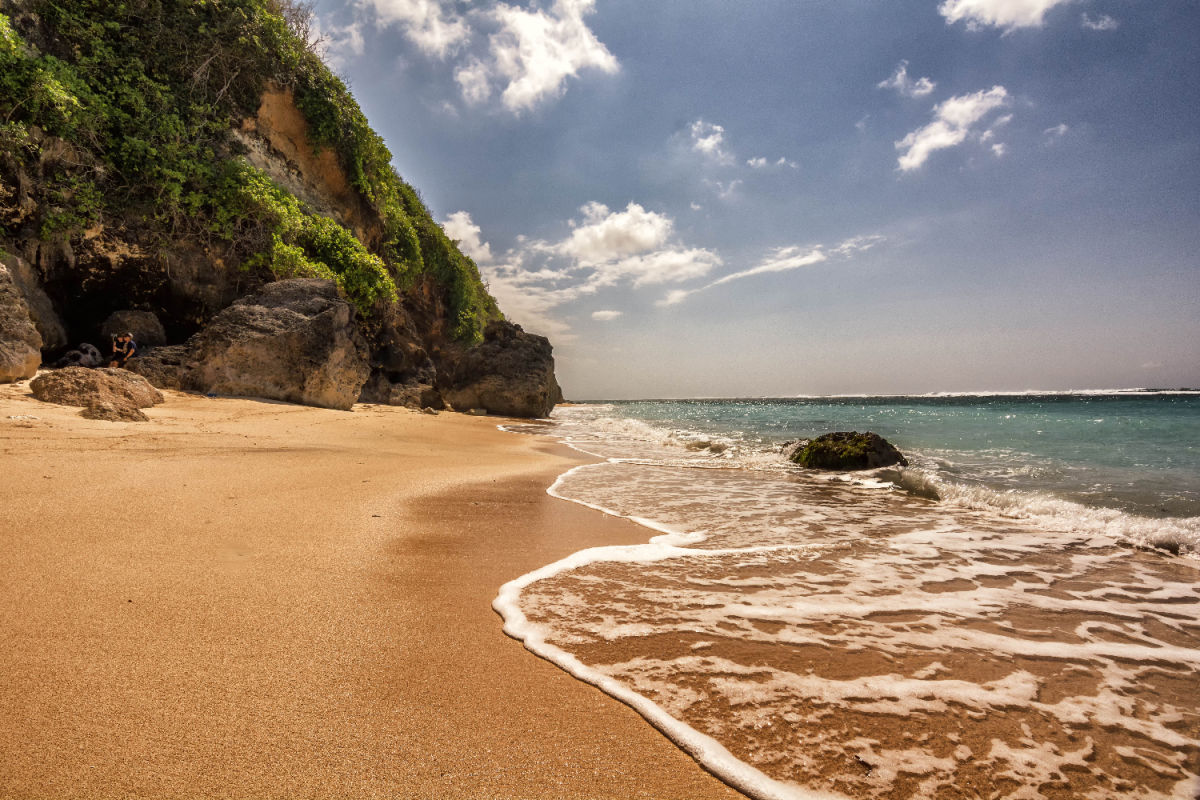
80,386
847,451
144,325
20,342
510,373
295,340
41,309
164,367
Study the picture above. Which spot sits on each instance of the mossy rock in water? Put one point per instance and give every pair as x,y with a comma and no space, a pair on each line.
847,450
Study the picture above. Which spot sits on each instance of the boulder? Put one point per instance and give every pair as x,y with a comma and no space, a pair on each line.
295,340
20,342
41,310
86,355
164,367
847,451
510,373
79,386
144,325
411,393
114,411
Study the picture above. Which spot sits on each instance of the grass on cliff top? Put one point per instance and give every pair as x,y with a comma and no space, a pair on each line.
137,98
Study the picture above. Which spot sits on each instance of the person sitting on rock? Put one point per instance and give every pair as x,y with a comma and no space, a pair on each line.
124,349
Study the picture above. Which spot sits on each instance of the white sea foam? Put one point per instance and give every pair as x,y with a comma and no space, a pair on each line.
804,637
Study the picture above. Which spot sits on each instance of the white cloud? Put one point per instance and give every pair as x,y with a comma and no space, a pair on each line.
782,259
474,80
906,85
1007,14
1056,132
337,44
534,52
952,122
529,55
663,266
999,149
1102,23
436,31
607,236
634,247
763,163
529,304
724,189
709,140
605,316
460,227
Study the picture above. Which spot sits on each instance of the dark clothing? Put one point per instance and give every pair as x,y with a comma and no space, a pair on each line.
123,351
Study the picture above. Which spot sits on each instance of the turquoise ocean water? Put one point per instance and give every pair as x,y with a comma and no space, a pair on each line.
1139,452
1016,614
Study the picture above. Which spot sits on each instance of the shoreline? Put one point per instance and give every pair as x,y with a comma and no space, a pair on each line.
193,608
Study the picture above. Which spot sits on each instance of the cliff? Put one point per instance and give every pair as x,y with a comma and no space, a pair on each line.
176,157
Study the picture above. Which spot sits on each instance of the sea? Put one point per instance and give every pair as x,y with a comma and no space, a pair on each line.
1015,614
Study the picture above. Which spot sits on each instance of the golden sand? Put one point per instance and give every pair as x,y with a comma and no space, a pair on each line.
251,599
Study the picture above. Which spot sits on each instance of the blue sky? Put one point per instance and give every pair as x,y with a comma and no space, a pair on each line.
781,197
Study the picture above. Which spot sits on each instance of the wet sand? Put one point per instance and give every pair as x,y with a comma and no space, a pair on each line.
252,599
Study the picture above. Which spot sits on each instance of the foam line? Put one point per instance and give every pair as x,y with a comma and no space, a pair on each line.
705,749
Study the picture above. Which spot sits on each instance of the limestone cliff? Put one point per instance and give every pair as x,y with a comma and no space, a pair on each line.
173,157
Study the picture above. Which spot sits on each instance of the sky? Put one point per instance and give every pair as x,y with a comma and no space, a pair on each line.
735,198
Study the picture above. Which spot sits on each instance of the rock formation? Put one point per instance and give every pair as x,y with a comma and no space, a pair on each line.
20,342
112,394
294,340
268,171
144,325
847,451
511,373
41,309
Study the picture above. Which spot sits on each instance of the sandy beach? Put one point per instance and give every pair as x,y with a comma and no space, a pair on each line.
251,599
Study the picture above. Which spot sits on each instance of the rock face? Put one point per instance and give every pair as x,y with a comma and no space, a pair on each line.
510,373
847,451
20,342
294,340
144,325
112,394
41,309
164,367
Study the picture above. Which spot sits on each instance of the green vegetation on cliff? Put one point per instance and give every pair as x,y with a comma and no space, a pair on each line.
139,98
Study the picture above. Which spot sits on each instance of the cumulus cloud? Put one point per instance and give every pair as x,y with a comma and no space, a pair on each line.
605,316
461,228
633,247
525,56
534,52
709,140
906,85
605,235
1101,23
782,259
953,121
427,24
1006,14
